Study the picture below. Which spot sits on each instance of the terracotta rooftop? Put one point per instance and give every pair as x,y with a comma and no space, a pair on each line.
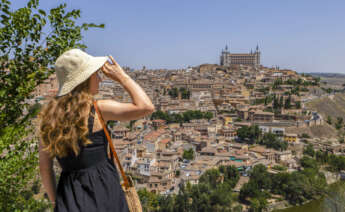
153,135
159,120
165,141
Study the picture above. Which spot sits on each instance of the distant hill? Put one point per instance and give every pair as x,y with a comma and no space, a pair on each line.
333,106
331,80
317,74
319,131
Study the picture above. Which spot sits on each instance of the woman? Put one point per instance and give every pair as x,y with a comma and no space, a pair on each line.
70,131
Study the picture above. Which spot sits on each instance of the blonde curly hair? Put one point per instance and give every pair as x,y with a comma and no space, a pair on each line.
63,122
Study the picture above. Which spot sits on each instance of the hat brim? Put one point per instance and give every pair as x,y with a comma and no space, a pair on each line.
91,67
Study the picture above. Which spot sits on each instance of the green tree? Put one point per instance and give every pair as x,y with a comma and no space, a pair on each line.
166,203
182,199
305,135
149,200
287,104
298,104
211,177
281,102
27,55
268,99
131,123
259,180
309,150
260,175
250,134
295,90
277,83
316,81
307,162
270,140
337,163
275,102
321,156
173,92
258,204
249,190
208,115
111,123
221,197
329,120
185,94
177,173
231,174
339,123
188,154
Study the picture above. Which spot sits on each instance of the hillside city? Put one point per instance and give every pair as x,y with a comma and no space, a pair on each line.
236,113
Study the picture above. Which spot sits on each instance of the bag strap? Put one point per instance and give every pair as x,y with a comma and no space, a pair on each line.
111,145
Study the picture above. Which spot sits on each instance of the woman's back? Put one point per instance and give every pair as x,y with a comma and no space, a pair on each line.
89,155
90,181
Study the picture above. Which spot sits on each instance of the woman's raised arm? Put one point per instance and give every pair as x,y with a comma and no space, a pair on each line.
113,110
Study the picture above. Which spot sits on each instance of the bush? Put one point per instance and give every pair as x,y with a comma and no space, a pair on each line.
279,168
188,154
305,135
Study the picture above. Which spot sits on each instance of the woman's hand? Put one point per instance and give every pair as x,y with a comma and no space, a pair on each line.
113,71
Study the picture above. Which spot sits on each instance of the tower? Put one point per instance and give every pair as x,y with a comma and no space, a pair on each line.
257,55
224,58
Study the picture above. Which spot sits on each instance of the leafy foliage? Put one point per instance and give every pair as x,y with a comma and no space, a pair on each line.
250,134
308,162
174,92
296,187
188,154
30,41
26,55
271,140
309,150
339,124
149,200
329,119
210,194
335,162
19,170
181,117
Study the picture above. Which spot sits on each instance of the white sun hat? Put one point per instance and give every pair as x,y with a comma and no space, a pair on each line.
74,67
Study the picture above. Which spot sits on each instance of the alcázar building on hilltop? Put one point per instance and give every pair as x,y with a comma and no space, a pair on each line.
252,58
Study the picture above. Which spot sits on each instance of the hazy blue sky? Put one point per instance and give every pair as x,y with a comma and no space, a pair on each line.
305,35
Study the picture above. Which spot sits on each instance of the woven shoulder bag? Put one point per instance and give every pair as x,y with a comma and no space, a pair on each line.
132,197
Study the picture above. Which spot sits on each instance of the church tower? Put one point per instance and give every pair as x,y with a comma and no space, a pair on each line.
224,58
257,55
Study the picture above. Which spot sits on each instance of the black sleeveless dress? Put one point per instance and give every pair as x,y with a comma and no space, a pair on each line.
90,182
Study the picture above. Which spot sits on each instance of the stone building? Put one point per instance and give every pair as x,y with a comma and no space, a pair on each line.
252,58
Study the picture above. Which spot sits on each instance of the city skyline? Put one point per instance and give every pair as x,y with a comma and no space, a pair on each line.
304,36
